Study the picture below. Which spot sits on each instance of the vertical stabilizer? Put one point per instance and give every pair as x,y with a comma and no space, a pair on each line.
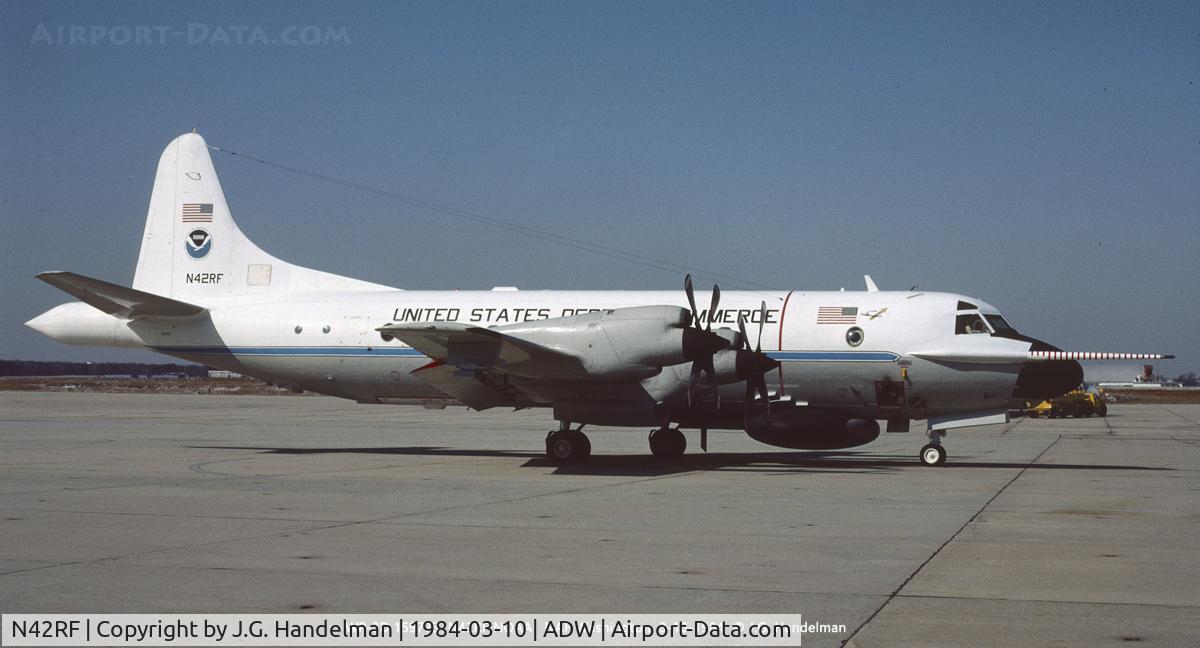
192,249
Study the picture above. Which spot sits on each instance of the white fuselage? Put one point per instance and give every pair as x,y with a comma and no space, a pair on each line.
327,342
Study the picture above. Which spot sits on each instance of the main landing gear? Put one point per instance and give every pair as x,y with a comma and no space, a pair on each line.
571,445
933,454
667,442
566,445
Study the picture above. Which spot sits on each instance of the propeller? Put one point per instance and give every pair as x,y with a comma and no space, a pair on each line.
691,295
752,365
703,345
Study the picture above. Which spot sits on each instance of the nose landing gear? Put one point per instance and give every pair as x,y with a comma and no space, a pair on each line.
933,454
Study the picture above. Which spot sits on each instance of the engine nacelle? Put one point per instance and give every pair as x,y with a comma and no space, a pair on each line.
648,335
807,428
725,364
622,343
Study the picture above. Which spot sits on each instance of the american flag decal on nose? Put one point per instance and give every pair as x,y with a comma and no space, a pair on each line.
837,314
197,212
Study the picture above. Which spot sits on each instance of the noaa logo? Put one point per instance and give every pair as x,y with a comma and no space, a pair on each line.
199,243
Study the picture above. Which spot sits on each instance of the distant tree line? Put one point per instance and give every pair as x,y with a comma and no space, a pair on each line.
37,368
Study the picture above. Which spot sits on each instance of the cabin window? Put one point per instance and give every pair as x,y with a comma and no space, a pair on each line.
969,324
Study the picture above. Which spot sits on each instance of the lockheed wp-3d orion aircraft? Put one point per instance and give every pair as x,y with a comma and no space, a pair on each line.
794,369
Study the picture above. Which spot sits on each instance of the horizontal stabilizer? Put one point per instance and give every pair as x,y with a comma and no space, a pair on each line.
1012,357
123,302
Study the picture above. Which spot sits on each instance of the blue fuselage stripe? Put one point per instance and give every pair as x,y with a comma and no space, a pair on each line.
833,356
345,351
405,352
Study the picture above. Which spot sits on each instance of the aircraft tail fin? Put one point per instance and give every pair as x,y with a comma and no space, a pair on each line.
193,249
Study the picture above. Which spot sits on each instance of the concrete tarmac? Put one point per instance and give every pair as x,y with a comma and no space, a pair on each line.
1036,533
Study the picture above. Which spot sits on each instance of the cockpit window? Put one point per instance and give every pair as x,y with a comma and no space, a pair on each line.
962,305
999,324
968,324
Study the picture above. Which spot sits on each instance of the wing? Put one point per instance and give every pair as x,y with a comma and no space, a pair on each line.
113,299
478,389
583,355
474,364
473,347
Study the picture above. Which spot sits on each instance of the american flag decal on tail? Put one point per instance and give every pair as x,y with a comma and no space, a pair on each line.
197,212
837,314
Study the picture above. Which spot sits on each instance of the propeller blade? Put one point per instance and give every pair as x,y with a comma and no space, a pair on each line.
762,321
752,367
693,380
757,386
745,342
712,308
691,295
703,365
700,344
766,396
713,387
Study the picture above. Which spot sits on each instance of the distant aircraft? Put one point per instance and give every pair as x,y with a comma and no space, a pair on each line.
816,370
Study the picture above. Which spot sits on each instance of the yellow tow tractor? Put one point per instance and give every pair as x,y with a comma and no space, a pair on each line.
1078,403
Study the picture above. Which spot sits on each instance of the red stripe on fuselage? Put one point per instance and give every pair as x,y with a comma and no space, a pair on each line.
431,365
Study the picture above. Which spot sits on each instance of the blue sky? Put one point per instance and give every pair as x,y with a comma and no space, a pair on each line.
1044,157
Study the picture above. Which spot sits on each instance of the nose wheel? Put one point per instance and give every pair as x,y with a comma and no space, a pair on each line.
567,445
933,454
